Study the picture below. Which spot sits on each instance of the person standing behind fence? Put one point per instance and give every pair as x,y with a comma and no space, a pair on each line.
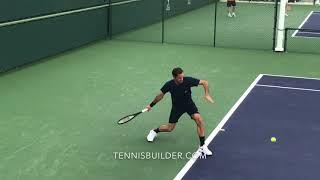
288,7
231,4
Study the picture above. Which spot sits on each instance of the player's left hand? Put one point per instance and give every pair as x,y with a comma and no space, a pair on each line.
208,98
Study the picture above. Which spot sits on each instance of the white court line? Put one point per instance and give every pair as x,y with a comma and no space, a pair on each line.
189,164
306,32
307,37
297,77
285,87
304,21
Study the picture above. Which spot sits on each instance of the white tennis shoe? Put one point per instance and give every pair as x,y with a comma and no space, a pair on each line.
152,134
205,150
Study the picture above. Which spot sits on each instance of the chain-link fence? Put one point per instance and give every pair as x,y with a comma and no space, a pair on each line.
137,20
246,24
199,22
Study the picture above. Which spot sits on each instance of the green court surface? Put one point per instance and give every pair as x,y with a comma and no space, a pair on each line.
58,117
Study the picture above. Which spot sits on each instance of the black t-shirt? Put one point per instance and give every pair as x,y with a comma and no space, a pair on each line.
180,94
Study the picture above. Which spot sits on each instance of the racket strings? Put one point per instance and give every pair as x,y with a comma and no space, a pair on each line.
126,119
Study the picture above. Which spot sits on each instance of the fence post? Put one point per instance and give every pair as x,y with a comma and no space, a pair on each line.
215,23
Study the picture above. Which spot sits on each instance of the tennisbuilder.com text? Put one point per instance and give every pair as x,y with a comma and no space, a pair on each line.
157,155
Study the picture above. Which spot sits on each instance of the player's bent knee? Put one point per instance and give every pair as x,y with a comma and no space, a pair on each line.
196,117
200,123
171,127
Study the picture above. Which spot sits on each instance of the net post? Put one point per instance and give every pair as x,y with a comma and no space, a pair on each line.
276,3
280,29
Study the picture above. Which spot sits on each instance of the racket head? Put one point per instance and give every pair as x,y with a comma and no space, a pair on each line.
130,117
126,119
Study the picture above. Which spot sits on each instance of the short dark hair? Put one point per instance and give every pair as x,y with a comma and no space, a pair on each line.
176,71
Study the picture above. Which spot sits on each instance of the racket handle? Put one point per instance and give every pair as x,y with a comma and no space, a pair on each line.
145,110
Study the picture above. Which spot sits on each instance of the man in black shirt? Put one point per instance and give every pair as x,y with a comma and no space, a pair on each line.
180,89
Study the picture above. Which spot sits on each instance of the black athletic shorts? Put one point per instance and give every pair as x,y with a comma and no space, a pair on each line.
231,3
177,111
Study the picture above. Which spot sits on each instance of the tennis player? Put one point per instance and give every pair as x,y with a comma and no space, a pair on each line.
180,89
231,4
288,7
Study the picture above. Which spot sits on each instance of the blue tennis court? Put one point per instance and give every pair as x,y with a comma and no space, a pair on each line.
273,106
312,22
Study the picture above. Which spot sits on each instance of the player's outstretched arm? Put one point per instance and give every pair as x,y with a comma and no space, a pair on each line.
155,101
205,85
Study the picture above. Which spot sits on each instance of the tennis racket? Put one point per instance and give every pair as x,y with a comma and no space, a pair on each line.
131,116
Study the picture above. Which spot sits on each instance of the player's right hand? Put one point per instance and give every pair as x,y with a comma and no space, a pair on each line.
149,107
208,98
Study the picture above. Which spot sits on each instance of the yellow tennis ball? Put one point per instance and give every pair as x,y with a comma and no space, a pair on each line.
273,139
